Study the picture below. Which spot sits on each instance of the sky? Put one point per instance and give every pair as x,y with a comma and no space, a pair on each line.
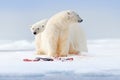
101,17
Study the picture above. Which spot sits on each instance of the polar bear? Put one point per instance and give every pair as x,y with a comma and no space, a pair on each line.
37,30
55,38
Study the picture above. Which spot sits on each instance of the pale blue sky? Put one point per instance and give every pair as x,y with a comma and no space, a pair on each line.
101,17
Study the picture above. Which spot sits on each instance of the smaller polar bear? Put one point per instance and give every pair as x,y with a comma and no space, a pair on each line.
56,36
37,30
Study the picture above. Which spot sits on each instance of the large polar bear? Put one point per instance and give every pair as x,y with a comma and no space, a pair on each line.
37,29
55,39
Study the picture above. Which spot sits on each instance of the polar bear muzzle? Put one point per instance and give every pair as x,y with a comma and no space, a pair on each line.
80,20
34,33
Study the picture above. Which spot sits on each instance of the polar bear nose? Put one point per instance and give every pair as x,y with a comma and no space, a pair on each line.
34,33
80,20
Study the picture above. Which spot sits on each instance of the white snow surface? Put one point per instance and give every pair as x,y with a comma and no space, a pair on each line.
103,57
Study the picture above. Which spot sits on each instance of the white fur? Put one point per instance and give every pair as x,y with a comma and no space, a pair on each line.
38,26
78,41
55,38
41,25
77,44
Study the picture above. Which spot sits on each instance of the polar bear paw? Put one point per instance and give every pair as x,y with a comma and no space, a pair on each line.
39,52
74,52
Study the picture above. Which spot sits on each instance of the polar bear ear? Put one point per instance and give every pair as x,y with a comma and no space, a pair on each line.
42,26
68,13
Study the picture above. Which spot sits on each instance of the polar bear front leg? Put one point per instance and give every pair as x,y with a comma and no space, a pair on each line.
64,49
52,46
38,49
64,44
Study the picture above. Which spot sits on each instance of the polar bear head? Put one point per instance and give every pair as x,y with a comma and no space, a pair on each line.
68,17
73,17
39,27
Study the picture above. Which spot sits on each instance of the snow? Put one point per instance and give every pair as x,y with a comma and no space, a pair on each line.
102,60
16,45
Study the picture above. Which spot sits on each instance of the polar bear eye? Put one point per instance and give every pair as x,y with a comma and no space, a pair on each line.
78,15
37,28
42,26
68,13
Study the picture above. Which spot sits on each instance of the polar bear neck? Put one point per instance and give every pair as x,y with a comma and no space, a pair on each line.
62,25
59,24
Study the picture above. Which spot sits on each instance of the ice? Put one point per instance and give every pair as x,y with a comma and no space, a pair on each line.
102,60
16,45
